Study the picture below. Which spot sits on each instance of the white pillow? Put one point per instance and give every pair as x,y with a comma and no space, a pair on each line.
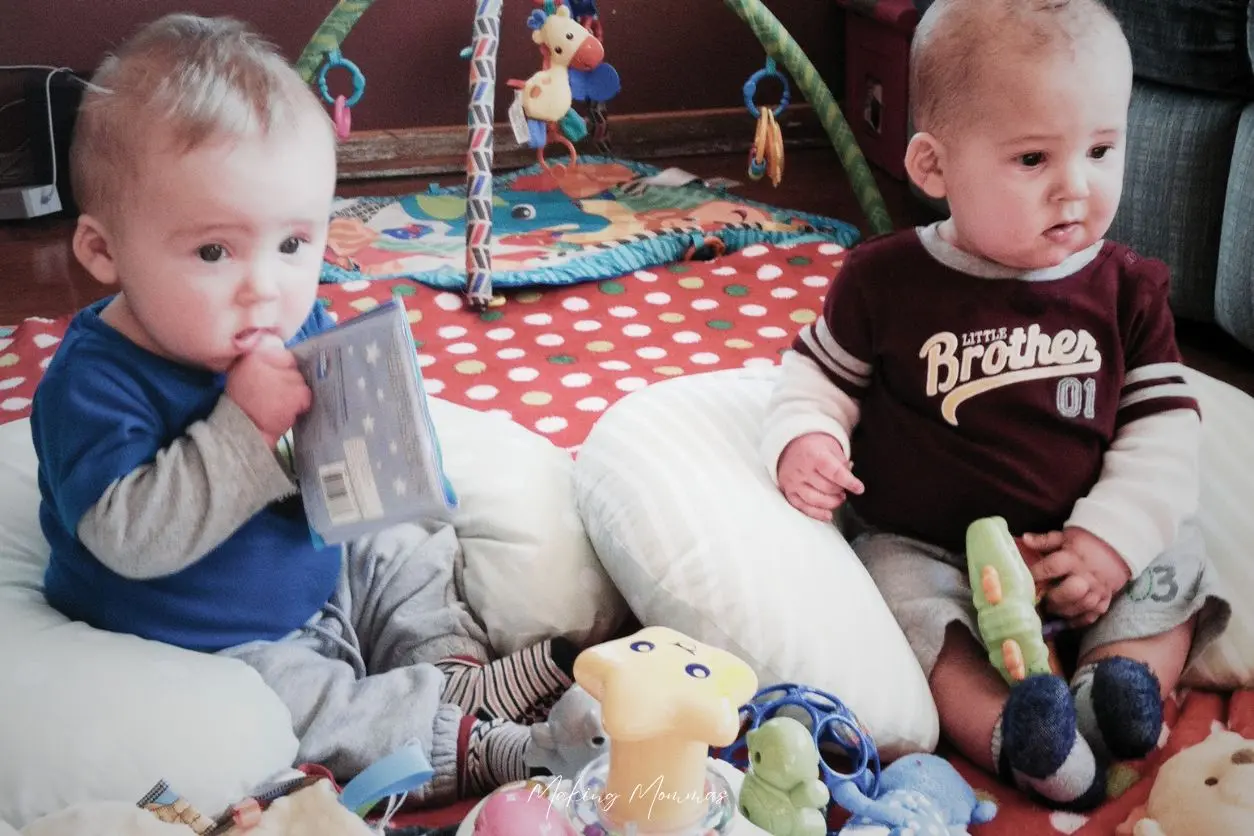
1228,527
698,539
529,571
89,715
95,716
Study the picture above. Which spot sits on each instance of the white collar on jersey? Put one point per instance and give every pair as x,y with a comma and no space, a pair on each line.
973,265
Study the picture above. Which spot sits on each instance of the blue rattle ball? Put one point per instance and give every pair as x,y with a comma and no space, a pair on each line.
834,726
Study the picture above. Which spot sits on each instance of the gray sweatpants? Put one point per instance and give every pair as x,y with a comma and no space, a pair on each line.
927,588
358,678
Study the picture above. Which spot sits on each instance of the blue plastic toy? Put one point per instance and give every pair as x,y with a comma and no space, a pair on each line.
917,794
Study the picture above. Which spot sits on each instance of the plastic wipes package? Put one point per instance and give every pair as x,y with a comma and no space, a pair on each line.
365,454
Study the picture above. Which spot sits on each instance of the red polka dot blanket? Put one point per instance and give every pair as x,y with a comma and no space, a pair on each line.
554,360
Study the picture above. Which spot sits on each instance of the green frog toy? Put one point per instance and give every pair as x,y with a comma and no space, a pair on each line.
782,793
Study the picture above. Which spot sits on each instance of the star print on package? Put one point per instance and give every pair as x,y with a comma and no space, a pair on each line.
366,453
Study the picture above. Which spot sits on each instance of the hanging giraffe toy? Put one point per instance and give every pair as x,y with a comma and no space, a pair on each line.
573,69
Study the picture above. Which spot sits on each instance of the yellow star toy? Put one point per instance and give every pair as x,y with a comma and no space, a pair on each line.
665,700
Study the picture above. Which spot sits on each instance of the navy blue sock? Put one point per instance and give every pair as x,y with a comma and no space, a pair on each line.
1038,746
1119,707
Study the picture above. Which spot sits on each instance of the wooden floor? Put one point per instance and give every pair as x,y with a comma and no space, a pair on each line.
39,276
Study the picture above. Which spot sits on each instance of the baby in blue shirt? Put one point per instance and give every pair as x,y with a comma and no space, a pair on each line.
205,169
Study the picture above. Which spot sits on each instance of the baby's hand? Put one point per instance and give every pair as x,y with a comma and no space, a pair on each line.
1083,571
268,387
814,475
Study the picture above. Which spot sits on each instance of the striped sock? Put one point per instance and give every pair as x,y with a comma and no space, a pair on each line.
1118,707
1038,746
494,754
521,687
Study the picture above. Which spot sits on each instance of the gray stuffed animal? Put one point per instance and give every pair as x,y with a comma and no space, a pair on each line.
570,739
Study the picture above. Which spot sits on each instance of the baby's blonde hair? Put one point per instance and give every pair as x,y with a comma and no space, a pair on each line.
957,41
185,79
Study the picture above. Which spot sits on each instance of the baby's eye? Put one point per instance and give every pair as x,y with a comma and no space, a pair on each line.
211,252
1031,159
290,245
1101,151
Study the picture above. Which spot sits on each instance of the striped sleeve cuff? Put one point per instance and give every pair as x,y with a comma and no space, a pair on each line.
1154,388
841,367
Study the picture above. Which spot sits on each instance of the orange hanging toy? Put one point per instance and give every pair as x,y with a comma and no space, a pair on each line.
766,157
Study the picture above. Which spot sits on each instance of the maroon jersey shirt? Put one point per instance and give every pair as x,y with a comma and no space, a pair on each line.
982,396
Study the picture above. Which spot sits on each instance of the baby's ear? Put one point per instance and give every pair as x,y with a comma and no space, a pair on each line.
923,164
93,249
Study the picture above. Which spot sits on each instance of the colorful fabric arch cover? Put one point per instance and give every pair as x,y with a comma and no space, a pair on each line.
597,220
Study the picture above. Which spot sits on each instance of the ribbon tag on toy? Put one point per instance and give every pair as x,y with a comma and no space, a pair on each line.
672,177
518,120
400,772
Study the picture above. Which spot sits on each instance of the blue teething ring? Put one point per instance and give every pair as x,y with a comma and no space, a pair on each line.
335,59
751,88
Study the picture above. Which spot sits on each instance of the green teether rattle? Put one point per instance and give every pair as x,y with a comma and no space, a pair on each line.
1006,599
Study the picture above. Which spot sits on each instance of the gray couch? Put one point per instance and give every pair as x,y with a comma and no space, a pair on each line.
1189,185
